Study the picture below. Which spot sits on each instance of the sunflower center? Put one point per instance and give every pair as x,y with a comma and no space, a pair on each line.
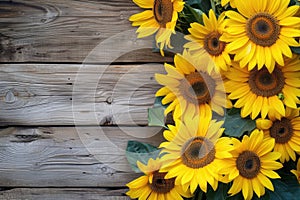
213,45
198,152
163,11
198,88
282,130
263,83
248,164
263,29
160,184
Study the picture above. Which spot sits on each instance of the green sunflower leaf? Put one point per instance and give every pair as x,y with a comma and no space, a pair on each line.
193,2
236,126
294,2
195,13
281,191
198,195
295,50
219,194
291,181
157,102
239,196
156,115
204,5
139,151
188,15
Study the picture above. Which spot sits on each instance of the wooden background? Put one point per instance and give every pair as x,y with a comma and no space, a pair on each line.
67,113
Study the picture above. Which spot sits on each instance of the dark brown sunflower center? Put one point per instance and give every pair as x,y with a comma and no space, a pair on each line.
248,164
266,84
282,131
198,152
213,45
163,11
198,88
263,29
160,184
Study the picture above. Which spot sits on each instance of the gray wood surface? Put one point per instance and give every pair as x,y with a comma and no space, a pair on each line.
67,31
63,194
67,67
68,94
69,156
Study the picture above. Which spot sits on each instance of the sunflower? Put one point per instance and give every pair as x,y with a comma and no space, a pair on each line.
286,133
192,85
232,3
297,172
154,185
260,92
193,152
206,38
252,165
261,32
160,17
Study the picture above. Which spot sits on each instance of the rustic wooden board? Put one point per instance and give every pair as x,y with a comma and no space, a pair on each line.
68,156
63,194
63,94
67,31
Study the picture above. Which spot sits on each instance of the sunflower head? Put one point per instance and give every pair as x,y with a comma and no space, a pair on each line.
252,165
260,93
159,18
207,38
286,133
153,184
193,152
190,84
260,33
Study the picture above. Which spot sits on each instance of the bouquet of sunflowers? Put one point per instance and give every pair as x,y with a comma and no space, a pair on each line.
233,96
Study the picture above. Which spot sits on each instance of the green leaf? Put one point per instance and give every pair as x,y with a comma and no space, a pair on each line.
219,194
294,2
196,14
198,195
296,50
193,2
291,181
188,15
157,102
138,151
281,191
236,126
294,190
204,5
238,196
233,111
156,117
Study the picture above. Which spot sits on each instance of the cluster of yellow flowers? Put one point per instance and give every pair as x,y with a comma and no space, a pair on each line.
242,59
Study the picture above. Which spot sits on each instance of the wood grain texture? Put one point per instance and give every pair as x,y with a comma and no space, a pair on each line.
67,31
63,194
63,94
68,156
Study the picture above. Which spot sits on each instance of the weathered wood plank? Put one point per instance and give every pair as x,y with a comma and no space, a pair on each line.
61,94
69,157
63,193
67,31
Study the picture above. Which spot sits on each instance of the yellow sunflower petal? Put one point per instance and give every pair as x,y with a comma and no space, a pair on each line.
144,3
147,14
265,181
166,80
